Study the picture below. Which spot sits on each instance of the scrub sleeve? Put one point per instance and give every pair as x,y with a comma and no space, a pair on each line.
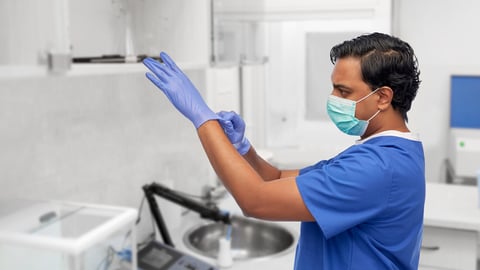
345,191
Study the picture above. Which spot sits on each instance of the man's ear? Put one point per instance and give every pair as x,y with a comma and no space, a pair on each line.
386,96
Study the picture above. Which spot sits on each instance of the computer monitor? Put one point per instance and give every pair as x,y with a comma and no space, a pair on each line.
465,101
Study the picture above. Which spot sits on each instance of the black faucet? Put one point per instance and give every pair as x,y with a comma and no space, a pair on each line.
207,211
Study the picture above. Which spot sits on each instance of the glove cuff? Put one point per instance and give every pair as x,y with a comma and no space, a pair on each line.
204,117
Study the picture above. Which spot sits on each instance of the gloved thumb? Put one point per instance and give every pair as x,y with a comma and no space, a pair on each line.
226,115
227,125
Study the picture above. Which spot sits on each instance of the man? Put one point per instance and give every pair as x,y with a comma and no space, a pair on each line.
362,209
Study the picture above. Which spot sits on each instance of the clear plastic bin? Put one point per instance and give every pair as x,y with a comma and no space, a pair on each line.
63,235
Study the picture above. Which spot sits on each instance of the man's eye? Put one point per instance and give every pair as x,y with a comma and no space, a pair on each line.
343,93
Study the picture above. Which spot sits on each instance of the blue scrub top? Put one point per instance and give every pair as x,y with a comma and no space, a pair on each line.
368,207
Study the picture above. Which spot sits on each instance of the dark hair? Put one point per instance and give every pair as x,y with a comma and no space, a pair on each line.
385,61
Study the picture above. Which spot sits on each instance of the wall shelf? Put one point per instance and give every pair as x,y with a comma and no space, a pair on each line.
17,72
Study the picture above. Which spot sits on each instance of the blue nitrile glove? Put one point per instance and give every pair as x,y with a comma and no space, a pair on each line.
234,127
179,89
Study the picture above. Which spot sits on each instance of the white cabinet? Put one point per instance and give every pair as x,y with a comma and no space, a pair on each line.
444,248
92,28
30,28
179,27
451,226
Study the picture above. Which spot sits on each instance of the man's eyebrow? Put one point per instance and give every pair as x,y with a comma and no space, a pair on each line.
341,86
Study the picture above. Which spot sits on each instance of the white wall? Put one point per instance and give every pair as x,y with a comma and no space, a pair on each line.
98,136
444,37
95,139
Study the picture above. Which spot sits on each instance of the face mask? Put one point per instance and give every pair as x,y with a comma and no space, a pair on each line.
342,113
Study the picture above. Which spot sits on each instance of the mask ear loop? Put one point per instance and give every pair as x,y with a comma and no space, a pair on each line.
373,116
373,92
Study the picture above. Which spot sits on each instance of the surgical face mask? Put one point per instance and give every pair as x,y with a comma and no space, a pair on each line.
342,113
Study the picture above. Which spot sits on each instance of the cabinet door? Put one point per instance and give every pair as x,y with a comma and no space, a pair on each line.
448,249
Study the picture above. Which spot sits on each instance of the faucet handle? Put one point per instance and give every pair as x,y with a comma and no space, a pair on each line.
213,194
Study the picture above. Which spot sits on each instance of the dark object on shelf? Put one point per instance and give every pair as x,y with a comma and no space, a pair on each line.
111,58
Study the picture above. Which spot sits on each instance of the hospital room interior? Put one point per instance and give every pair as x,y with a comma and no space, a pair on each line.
99,171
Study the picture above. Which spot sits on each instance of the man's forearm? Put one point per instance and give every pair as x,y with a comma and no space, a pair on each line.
265,169
231,167
273,200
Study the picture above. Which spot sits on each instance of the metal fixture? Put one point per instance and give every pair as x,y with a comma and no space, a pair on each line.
251,239
206,211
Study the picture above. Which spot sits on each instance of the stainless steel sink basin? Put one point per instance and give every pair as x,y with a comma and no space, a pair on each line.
250,239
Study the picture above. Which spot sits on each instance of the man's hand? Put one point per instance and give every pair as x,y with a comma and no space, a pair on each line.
179,89
234,127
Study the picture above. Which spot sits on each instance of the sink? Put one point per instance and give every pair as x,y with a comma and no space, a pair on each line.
251,239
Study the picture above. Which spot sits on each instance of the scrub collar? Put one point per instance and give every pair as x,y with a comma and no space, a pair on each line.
394,133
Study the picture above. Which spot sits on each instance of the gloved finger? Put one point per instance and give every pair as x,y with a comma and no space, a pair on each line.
155,80
237,120
169,62
158,68
151,63
226,115
154,67
227,127
160,75
221,113
223,121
